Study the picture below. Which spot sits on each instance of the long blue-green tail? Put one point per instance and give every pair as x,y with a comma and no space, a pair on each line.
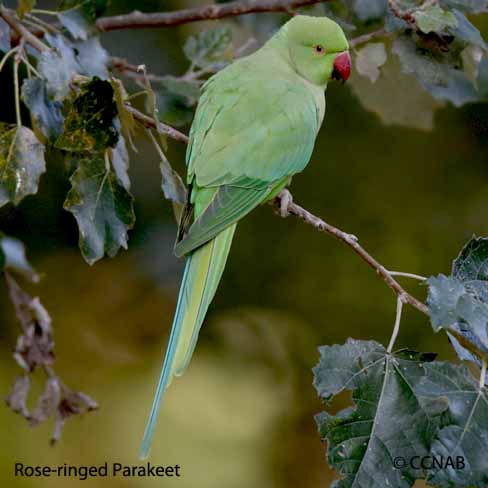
203,270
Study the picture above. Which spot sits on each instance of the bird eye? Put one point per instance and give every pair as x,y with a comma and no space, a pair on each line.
319,49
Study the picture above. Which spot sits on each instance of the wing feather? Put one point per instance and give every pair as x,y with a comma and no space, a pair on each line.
250,134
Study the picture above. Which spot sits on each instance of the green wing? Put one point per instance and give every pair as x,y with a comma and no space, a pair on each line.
250,134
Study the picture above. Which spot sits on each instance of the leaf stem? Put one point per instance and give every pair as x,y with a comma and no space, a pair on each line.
17,60
408,275
483,373
30,67
44,26
44,12
396,327
7,55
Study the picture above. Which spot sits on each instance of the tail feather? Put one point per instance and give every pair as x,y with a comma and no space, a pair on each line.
203,270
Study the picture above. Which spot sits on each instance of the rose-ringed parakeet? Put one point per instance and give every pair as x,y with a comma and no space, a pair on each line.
254,128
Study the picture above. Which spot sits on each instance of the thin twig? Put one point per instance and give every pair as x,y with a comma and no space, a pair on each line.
139,20
21,30
356,41
344,237
408,275
396,327
405,15
17,60
7,55
150,122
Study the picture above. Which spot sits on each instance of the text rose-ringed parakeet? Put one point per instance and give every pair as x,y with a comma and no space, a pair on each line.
254,128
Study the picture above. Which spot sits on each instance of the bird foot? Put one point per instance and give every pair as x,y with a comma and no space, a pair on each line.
286,199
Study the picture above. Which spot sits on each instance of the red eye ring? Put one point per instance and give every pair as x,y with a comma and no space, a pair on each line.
319,49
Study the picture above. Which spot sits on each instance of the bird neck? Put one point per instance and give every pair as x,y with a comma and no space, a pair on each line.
276,51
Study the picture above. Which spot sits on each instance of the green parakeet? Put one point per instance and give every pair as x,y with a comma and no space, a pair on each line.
254,128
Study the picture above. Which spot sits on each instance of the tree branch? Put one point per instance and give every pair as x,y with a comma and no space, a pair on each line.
285,205
405,15
139,20
21,30
147,121
353,243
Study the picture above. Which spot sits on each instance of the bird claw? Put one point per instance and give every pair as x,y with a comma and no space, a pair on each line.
285,200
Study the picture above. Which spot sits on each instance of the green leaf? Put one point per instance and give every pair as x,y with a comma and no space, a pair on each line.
89,124
92,58
77,24
120,162
209,47
465,434
469,6
13,258
127,122
5,44
369,59
103,208
435,72
388,419
172,185
58,67
471,57
395,97
452,304
466,31
21,163
461,300
176,99
79,16
46,113
25,6
472,263
370,9
434,19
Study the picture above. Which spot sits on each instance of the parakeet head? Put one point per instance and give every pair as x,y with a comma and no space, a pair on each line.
318,49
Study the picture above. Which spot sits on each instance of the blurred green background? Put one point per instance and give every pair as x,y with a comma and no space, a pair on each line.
242,415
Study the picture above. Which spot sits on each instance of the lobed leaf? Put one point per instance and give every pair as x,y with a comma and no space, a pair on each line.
370,9
45,112
79,16
21,163
466,31
464,434
13,258
25,6
468,6
120,162
436,72
461,300
209,47
389,417
58,66
434,19
92,58
103,208
395,97
90,123
369,59
5,44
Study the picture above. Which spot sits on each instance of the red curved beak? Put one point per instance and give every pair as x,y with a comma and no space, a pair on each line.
342,67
